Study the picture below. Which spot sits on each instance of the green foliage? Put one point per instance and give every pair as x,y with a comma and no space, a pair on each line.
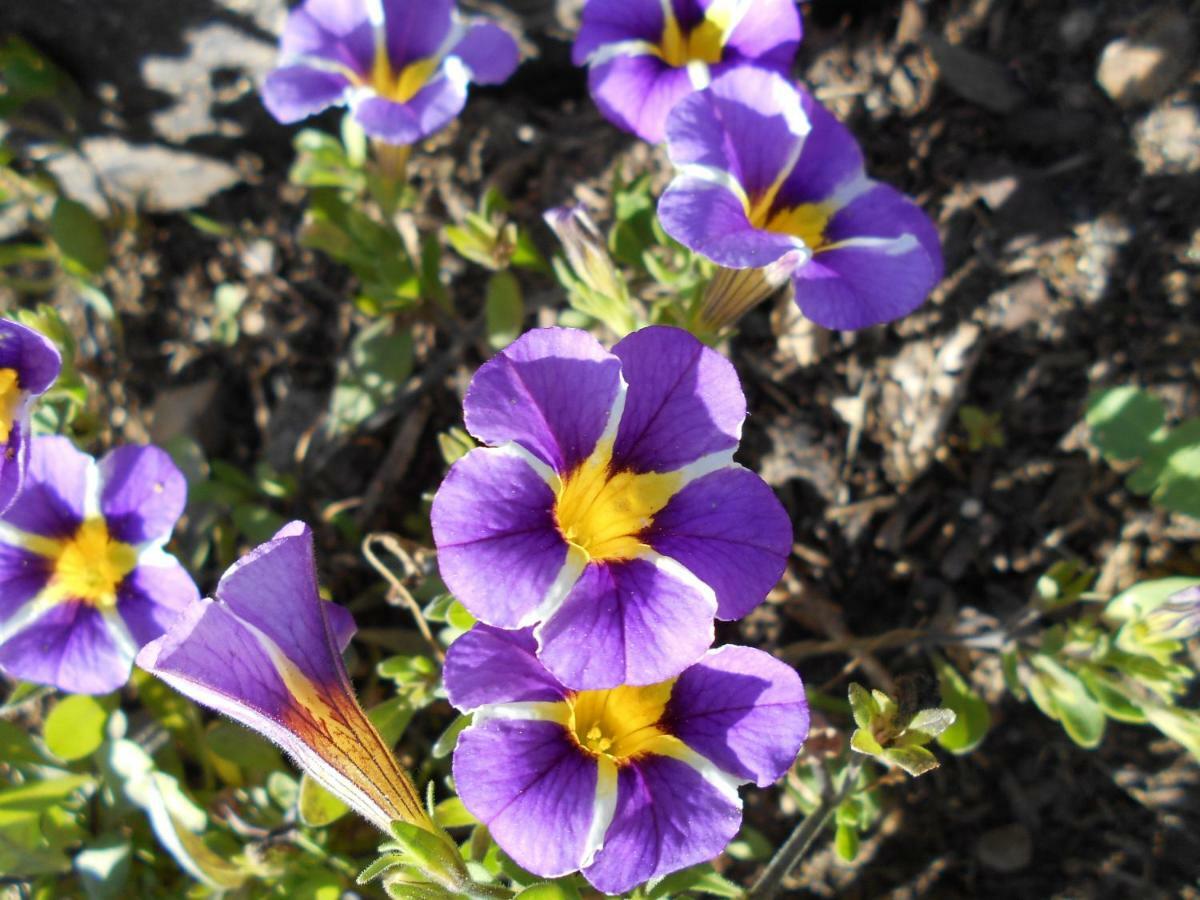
486,236
972,718
892,735
504,308
26,76
1127,425
983,428
75,727
370,375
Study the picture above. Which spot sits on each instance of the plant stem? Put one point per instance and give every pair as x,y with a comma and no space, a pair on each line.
797,844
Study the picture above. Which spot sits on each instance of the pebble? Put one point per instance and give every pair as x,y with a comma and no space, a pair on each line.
1167,140
1142,67
1005,849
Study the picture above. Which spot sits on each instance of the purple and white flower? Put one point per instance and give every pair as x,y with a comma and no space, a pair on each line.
84,578
767,179
626,784
607,509
401,66
644,56
266,651
29,363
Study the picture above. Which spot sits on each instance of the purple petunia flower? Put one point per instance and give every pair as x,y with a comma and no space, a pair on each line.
626,784
402,66
768,178
643,56
608,510
84,578
267,652
29,363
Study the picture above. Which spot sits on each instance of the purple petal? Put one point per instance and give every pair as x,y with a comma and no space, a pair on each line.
489,665
742,709
857,286
22,577
416,29
636,93
31,354
551,391
341,624
51,503
274,589
71,647
489,52
684,401
152,596
430,110
768,34
831,158
297,92
14,461
143,493
499,549
532,787
729,529
627,623
616,21
712,221
335,30
668,817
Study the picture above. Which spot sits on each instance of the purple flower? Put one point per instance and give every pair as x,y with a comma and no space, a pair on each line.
608,510
767,177
643,56
266,651
1178,618
84,578
402,66
626,784
29,363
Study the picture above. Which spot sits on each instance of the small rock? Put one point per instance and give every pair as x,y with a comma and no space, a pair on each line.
1028,300
975,77
1006,849
1167,140
1142,67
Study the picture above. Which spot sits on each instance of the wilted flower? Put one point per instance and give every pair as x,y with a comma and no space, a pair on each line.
596,285
765,177
84,579
608,510
29,363
645,55
626,784
266,651
402,66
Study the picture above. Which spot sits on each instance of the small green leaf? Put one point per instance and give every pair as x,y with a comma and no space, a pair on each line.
1112,695
863,705
504,309
701,879
972,716
451,813
1145,596
16,746
79,236
864,742
445,744
925,726
317,806
75,727
1066,699
243,748
371,374
913,760
550,890
845,841
1122,420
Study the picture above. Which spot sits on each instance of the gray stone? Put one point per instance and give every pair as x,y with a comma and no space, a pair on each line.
1141,67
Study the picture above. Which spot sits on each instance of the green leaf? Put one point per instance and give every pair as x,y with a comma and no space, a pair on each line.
1170,455
16,746
1112,695
864,742
504,309
1062,696
75,727
317,806
913,760
1182,725
243,748
1145,596
701,879
79,236
972,716
451,813
25,76
550,890
39,796
444,745
1179,485
1122,419
845,841
925,726
863,705
371,375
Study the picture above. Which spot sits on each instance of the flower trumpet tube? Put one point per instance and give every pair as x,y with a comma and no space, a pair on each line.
29,363
643,56
766,178
608,511
84,577
265,650
401,66
625,784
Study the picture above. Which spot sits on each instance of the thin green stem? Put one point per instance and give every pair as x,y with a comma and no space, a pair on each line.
789,855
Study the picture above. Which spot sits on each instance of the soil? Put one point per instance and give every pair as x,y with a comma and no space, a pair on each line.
1072,263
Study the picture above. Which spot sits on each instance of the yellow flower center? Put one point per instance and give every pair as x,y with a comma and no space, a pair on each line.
89,566
807,221
10,399
400,86
605,512
705,43
622,723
